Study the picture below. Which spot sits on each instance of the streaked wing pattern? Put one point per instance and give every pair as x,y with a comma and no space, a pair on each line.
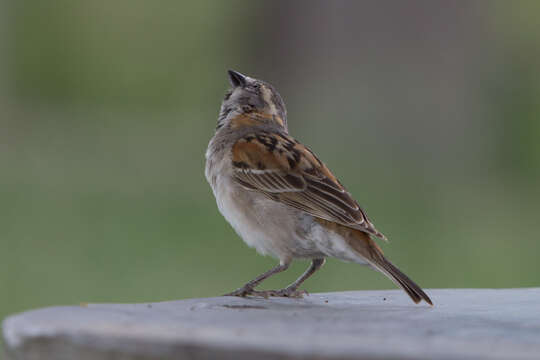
285,170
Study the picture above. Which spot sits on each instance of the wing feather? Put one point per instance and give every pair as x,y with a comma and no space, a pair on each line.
286,171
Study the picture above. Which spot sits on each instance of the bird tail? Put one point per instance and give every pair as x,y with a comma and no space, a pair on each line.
374,256
402,280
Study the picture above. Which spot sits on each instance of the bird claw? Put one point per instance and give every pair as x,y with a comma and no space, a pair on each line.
241,292
290,293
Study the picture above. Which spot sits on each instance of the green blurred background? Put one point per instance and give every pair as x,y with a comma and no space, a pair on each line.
428,112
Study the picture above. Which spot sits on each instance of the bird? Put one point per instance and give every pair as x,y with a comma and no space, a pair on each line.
281,199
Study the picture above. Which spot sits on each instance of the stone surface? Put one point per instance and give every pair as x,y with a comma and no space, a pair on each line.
463,324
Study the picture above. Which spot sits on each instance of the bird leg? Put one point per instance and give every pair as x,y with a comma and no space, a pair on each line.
248,288
292,290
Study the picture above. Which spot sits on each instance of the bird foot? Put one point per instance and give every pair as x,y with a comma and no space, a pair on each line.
241,292
287,292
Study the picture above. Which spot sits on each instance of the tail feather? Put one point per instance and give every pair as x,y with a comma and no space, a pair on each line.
402,280
372,253
369,251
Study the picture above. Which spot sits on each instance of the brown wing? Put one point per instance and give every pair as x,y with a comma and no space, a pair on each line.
285,170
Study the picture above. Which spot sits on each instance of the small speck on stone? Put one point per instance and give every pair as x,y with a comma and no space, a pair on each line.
384,299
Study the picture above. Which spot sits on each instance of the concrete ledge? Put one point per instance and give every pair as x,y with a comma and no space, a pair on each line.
463,324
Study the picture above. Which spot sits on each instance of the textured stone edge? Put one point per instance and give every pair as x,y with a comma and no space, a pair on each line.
44,343
66,347
22,343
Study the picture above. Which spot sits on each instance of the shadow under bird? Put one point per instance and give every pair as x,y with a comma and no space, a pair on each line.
280,198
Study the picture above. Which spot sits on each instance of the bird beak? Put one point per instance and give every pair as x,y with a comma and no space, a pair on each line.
236,78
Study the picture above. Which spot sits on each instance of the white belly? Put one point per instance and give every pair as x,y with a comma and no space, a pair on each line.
269,227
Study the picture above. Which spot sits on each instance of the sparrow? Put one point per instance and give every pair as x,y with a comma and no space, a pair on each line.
281,198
